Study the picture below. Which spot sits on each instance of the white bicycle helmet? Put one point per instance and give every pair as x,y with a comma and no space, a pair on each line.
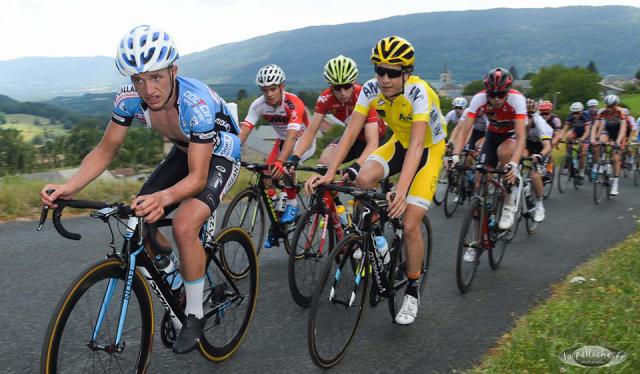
611,100
576,107
459,102
145,48
593,102
270,75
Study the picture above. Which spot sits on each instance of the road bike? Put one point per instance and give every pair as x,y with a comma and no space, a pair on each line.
104,322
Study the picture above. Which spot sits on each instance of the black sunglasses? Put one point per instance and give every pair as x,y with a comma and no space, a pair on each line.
498,94
458,107
391,73
340,87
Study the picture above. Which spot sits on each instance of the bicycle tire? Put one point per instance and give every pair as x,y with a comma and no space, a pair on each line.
636,177
530,225
548,185
599,186
305,259
397,271
341,271
225,298
60,324
465,271
254,212
500,238
564,175
453,190
441,186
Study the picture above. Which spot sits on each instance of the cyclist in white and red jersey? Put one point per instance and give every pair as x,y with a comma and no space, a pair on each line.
335,105
545,108
611,128
538,146
506,133
288,116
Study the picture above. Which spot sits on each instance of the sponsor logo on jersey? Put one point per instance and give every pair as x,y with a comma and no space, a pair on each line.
221,169
381,113
118,118
370,88
380,102
290,104
323,98
416,93
204,135
406,118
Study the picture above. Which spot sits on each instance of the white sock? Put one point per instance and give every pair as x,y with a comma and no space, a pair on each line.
194,290
539,204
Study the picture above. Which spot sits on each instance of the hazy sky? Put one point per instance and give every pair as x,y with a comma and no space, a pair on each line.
89,27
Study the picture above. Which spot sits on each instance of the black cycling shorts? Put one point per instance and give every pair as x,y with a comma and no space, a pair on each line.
175,167
356,149
489,152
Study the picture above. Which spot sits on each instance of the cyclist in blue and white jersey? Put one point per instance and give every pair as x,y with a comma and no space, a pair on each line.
199,170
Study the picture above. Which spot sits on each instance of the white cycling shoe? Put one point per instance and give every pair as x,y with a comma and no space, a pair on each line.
508,217
409,310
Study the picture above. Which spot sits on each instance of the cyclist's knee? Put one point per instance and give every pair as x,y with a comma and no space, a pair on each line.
184,232
412,230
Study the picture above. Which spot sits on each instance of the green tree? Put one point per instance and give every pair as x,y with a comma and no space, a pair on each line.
638,74
242,94
473,88
309,98
3,119
514,72
568,84
529,76
592,67
81,140
16,156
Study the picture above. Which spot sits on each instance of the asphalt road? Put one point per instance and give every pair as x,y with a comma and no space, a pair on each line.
452,331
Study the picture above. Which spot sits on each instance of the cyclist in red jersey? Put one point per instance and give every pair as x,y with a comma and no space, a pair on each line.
288,116
335,106
611,128
506,133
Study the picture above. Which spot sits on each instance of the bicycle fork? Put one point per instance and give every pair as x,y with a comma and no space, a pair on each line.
118,345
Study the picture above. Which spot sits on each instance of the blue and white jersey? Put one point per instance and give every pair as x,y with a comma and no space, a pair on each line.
203,115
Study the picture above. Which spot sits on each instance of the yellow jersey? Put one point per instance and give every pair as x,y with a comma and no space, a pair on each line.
419,102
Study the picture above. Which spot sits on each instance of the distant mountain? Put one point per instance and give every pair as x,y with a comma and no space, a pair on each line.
40,78
469,42
54,113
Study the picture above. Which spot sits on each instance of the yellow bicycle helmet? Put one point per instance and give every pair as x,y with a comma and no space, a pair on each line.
393,50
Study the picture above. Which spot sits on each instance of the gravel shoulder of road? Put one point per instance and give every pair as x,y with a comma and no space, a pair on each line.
597,304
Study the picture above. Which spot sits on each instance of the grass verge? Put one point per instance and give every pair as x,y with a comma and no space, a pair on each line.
603,310
20,197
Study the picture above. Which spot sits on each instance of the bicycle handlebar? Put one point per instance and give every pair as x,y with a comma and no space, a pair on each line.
357,192
122,210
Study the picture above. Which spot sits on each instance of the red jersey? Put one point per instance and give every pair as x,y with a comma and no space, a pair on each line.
501,120
328,104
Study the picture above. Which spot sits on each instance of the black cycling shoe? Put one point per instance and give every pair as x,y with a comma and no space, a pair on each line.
188,337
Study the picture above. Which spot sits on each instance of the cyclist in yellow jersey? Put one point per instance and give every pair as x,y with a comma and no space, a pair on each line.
411,109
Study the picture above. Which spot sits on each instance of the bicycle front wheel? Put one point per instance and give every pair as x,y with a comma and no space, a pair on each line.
470,240
229,303
338,303
600,186
453,194
311,245
548,181
81,337
245,211
398,270
441,188
564,174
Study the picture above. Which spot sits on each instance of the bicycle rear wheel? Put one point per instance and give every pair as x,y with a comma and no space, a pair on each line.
470,239
69,346
398,269
338,303
247,212
311,245
229,303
